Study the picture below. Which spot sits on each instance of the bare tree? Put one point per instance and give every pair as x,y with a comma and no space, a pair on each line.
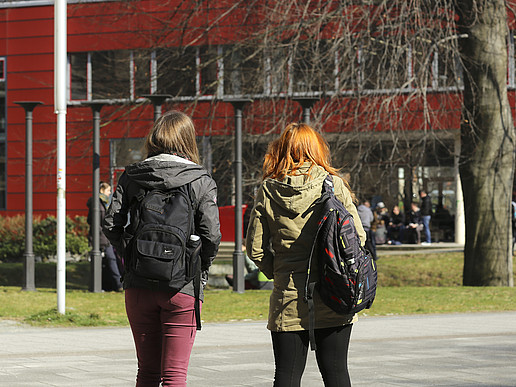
390,79
487,134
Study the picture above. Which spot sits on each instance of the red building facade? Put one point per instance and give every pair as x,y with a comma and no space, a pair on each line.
119,51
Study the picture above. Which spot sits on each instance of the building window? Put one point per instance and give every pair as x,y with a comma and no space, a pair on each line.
177,71
276,70
79,76
447,69
124,151
383,64
141,73
110,74
2,69
420,71
208,70
346,64
313,67
3,142
243,70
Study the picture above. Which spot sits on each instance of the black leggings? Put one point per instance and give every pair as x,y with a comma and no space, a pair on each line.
291,348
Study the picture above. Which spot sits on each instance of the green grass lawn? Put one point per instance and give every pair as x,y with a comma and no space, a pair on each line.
408,284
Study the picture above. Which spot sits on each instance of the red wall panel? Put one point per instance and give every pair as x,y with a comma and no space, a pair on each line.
33,45
30,80
26,38
30,28
31,62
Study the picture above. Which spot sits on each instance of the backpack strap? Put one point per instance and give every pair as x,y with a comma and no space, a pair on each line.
197,301
133,206
311,316
327,192
197,278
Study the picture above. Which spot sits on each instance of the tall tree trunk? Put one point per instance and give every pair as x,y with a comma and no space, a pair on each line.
487,151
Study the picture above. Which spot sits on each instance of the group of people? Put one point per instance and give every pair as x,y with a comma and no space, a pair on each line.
395,227
281,230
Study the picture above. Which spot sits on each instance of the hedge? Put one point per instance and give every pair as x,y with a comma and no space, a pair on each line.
12,235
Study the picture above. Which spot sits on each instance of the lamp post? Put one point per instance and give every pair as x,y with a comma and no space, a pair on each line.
28,256
157,100
306,103
238,255
96,258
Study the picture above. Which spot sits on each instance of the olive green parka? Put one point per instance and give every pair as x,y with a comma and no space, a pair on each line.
281,231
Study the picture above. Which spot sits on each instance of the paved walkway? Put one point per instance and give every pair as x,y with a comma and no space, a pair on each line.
429,350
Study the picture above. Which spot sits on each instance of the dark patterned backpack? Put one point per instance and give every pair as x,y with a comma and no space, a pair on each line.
347,273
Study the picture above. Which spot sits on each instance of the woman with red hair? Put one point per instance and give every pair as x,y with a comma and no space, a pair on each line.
281,232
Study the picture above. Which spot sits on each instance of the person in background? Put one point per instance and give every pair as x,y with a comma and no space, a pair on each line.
282,230
414,224
382,220
396,226
162,319
111,278
426,215
367,218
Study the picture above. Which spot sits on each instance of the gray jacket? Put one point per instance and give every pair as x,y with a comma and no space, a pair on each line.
366,216
165,171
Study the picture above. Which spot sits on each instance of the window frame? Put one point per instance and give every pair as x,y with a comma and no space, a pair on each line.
3,135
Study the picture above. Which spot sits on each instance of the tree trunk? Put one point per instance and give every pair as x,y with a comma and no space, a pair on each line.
487,151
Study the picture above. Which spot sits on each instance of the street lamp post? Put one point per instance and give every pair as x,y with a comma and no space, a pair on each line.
306,103
157,100
28,256
238,255
96,258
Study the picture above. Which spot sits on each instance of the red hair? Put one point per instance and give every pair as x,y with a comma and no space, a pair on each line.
297,144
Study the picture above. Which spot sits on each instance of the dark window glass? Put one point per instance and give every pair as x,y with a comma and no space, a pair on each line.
347,64
277,70
313,66
422,63
2,69
141,70
3,145
3,179
79,76
208,70
177,71
449,72
2,110
384,64
243,70
125,151
110,74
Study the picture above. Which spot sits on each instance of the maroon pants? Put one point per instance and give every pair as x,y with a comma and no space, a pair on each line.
164,330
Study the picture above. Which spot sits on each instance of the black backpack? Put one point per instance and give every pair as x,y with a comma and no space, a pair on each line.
347,273
164,252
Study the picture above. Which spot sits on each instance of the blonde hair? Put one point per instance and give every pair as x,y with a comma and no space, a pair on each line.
173,133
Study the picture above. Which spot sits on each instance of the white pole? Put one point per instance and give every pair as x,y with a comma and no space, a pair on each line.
460,222
60,101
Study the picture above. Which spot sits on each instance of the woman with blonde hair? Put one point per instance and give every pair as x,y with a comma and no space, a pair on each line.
281,232
162,319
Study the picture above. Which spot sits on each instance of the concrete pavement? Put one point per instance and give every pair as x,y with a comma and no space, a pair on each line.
474,349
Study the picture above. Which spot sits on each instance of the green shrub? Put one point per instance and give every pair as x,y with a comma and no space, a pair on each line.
12,234
77,229
44,231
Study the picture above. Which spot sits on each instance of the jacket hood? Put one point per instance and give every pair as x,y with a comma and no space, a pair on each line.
297,193
164,171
